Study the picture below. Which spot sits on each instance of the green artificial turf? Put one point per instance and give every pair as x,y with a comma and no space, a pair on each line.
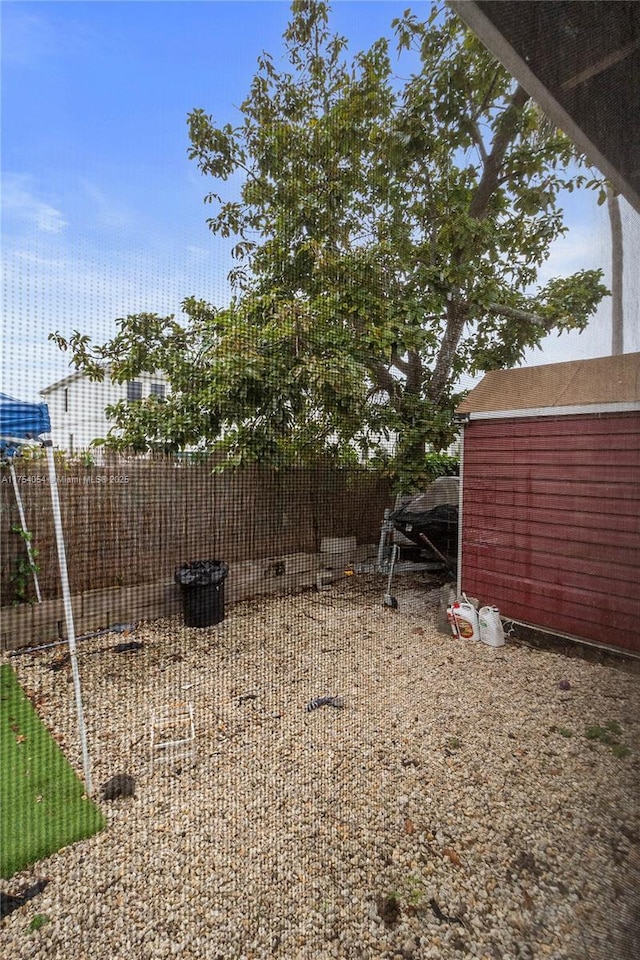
42,803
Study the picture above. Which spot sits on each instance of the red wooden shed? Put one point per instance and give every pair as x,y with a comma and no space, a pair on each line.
550,498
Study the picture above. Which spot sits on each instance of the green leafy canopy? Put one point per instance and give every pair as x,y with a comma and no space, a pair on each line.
387,237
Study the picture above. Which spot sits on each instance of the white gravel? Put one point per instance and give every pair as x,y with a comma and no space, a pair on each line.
454,807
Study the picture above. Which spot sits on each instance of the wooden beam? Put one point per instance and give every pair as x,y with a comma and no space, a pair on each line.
616,56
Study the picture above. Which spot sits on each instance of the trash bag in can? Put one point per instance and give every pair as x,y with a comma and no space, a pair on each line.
202,587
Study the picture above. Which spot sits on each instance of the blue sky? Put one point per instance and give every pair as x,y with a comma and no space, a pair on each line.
102,211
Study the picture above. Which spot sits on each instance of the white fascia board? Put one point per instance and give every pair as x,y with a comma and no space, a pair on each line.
588,408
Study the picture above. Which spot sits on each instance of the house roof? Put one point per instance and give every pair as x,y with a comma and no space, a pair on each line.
580,61
79,375
577,383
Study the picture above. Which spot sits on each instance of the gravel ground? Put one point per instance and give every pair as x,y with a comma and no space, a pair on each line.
453,808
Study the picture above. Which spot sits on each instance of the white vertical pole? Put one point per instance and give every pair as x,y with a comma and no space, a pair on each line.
460,510
23,524
68,612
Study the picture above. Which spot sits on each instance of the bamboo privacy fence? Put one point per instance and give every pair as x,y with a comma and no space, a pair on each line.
135,522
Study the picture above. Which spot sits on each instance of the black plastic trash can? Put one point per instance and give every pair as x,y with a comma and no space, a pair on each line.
202,586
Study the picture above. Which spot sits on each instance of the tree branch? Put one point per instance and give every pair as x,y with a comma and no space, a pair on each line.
503,137
402,365
501,309
486,100
457,311
384,379
414,376
474,129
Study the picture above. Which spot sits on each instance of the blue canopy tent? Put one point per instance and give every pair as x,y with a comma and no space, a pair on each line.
18,421
22,423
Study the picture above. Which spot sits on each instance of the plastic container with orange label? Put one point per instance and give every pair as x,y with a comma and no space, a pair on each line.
466,620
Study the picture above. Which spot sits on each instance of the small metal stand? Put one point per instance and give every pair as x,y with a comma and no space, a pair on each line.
389,600
173,733
388,560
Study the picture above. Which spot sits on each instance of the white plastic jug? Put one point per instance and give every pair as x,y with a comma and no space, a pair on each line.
451,620
491,631
466,618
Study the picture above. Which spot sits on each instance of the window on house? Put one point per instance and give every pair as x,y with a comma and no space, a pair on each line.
158,390
66,399
134,390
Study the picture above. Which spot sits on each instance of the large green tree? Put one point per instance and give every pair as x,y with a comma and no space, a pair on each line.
387,235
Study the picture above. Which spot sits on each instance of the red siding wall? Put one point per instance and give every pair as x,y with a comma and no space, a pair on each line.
551,523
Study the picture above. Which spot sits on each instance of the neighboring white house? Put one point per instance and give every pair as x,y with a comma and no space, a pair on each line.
77,406
77,409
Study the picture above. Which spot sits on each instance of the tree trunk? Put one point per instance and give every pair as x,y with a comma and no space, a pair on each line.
617,263
457,313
